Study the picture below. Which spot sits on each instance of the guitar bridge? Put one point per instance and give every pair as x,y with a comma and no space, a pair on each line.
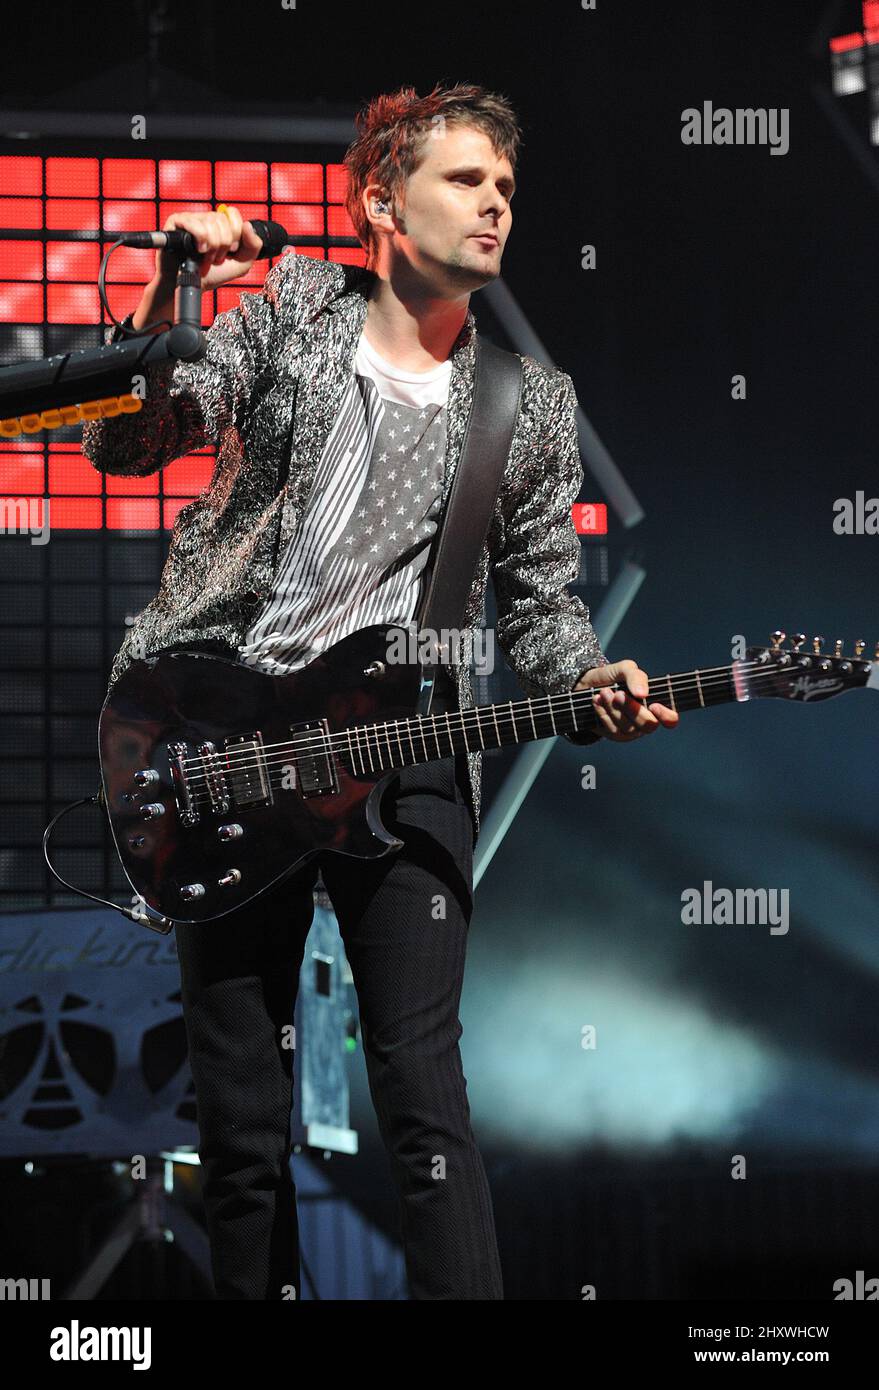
247,773
215,778
187,807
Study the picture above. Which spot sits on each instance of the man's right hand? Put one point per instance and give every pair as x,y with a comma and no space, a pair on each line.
228,244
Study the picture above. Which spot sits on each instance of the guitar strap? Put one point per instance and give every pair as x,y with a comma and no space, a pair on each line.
460,536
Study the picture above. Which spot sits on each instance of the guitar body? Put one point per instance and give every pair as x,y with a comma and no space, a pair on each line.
234,822
220,780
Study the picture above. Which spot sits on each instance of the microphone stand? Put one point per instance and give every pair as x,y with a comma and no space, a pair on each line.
46,383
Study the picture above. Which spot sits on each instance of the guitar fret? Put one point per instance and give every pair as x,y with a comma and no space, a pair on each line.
699,689
464,732
671,694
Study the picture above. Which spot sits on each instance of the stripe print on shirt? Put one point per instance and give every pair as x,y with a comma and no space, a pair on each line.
377,492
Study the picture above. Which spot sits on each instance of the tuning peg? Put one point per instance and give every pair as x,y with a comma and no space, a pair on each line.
859,646
797,640
817,644
777,639
837,647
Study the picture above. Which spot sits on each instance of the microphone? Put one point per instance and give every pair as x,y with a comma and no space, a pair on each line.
272,235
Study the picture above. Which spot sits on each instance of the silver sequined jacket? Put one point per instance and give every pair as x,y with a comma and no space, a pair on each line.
266,396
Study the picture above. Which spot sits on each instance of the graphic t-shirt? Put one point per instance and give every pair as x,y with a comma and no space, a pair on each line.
371,514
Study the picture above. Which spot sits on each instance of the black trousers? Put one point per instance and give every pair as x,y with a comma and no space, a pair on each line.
404,921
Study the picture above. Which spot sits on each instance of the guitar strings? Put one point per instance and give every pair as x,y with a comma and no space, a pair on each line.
363,740
374,737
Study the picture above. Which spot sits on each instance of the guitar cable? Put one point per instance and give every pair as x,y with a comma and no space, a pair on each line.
143,915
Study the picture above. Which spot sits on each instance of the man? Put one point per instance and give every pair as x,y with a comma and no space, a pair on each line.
337,399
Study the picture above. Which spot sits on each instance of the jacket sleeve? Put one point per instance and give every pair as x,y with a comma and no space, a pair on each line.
188,405
544,631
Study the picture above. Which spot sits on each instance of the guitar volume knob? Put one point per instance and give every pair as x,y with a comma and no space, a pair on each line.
230,832
152,810
192,890
146,776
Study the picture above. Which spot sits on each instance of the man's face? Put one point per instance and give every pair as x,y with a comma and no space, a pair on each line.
461,188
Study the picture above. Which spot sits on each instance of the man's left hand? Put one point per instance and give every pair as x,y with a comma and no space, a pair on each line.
622,717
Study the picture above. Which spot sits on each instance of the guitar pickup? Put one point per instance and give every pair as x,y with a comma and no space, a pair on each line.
313,770
247,773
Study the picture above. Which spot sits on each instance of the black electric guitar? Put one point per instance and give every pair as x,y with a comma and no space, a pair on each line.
219,780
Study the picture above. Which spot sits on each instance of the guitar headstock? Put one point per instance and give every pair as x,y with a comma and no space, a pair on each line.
789,673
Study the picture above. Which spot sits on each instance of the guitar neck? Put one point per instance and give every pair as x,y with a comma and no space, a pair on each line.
424,738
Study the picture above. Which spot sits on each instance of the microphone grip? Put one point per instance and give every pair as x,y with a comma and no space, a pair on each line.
189,294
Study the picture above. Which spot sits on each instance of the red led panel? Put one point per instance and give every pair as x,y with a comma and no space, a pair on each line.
129,178
847,42
21,174
21,303
132,487
72,260
339,223
297,183
128,266
186,179
75,513
337,183
63,212
236,179
73,304
132,514
21,213
298,219
72,473
21,474
23,260
347,255
129,217
72,178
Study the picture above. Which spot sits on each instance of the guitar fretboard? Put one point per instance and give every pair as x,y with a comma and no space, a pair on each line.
424,738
